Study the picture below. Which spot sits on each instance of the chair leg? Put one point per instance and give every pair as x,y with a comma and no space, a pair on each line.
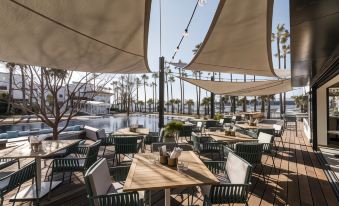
103,153
18,164
273,161
50,186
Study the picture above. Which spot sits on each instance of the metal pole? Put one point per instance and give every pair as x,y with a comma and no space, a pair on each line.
212,100
161,91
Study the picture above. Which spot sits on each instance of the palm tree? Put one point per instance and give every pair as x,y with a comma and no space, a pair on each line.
196,48
196,74
277,37
254,102
171,80
183,74
155,76
138,83
141,103
153,90
206,103
10,66
149,103
224,100
177,101
167,71
172,101
269,98
262,100
243,102
189,103
144,77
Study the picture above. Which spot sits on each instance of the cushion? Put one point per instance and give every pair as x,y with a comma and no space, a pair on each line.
277,127
68,129
45,131
101,133
264,138
100,178
23,133
91,133
236,169
12,134
116,187
4,183
76,128
3,136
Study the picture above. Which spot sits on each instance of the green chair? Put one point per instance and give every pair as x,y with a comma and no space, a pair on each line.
84,157
251,152
256,132
186,131
234,176
206,145
16,179
125,145
102,191
154,137
6,162
69,150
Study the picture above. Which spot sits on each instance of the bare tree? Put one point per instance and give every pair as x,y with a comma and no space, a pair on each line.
49,83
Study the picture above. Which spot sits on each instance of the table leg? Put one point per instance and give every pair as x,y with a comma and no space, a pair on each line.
167,197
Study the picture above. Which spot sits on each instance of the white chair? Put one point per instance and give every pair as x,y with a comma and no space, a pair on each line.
278,132
102,191
267,141
234,177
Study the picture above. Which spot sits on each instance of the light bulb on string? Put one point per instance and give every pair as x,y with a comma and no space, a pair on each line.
185,33
176,49
202,2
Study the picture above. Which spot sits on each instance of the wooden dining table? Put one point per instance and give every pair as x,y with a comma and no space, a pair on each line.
228,139
47,148
147,175
127,132
258,126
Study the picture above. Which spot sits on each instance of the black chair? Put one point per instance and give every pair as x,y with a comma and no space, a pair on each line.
206,145
186,131
290,121
154,137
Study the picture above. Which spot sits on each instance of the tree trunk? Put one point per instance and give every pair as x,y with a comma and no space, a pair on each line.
269,108
31,88
55,132
167,100
10,91
255,103
262,106
145,95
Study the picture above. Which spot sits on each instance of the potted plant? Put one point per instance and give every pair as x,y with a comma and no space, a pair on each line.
171,130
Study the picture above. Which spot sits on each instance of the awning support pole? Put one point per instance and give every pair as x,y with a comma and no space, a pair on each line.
161,91
212,100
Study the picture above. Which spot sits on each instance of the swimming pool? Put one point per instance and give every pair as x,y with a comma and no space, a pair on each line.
109,123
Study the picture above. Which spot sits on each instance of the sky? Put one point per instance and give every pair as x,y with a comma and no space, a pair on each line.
175,15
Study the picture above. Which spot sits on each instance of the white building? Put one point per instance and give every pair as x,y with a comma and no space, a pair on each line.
95,103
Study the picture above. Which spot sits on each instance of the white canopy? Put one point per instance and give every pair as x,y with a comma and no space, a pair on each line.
258,88
239,39
84,35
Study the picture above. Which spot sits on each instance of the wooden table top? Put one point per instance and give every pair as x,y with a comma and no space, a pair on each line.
221,137
259,126
127,132
48,147
145,175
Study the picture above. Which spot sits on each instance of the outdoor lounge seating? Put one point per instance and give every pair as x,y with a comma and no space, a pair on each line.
256,132
16,179
186,131
102,191
267,141
278,133
6,162
234,176
290,122
206,145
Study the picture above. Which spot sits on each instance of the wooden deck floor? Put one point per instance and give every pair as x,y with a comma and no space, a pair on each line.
297,180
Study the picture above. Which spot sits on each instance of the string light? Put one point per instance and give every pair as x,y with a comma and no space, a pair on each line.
176,49
185,34
202,2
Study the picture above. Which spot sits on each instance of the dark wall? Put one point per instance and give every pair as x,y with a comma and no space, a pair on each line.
314,38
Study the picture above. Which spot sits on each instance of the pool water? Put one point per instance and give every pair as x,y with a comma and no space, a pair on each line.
109,123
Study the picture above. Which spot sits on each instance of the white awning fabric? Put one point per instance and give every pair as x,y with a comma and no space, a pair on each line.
257,88
238,40
86,35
